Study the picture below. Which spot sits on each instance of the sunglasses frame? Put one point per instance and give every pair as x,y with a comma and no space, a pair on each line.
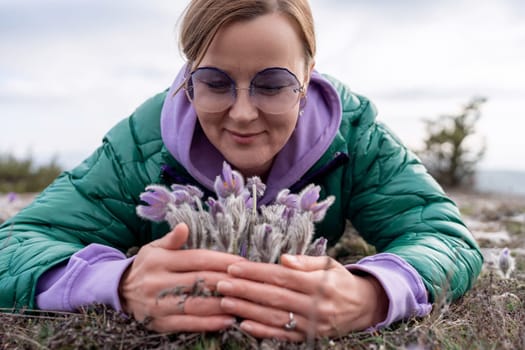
188,84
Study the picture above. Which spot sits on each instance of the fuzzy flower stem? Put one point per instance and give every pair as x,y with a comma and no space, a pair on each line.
254,196
253,219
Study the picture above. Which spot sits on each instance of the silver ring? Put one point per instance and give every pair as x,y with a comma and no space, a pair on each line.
291,323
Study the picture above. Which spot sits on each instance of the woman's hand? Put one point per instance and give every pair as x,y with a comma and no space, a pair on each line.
324,297
160,267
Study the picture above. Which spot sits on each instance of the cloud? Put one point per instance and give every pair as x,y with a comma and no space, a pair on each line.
458,41
40,19
83,65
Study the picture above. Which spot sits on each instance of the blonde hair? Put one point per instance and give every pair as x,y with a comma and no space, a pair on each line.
203,19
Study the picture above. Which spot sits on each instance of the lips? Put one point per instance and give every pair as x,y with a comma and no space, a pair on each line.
243,137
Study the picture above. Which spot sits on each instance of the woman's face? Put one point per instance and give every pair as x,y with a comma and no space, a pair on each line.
245,133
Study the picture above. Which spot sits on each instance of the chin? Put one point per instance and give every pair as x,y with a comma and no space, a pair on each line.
251,165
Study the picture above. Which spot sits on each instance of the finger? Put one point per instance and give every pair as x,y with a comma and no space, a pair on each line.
187,282
278,275
174,239
270,304
260,330
265,294
203,306
190,323
201,260
307,263
187,305
270,323
166,285
262,314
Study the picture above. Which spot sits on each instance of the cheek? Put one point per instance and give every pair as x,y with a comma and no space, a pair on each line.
209,122
285,127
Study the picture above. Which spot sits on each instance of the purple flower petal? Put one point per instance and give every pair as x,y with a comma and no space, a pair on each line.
227,172
288,214
182,196
248,202
308,202
156,214
156,194
319,209
289,200
231,182
318,247
244,250
506,262
260,187
215,207
192,190
11,197
157,197
505,252
237,183
308,197
178,187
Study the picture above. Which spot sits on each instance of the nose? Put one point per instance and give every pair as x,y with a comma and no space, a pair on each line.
243,109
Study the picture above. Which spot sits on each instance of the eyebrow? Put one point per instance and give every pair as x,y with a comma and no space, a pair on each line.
253,75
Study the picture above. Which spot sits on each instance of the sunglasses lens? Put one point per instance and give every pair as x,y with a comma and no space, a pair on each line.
210,89
273,90
274,79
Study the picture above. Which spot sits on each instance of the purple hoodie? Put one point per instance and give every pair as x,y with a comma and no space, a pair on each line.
314,132
93,274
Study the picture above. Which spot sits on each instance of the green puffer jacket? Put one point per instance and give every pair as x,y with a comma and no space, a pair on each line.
380,187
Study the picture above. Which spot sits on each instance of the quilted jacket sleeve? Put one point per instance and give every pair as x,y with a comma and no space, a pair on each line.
398,207
93,203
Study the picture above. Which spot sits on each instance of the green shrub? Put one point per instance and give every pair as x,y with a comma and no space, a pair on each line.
447,155
22,175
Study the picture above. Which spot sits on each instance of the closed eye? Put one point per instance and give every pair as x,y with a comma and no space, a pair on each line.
269,90
217,86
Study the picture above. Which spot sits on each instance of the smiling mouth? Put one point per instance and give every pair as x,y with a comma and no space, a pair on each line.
244,138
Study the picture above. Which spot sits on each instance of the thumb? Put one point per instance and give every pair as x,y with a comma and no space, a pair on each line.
174,239
306,262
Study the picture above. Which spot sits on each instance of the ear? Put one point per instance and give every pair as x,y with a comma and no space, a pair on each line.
311,68
309,71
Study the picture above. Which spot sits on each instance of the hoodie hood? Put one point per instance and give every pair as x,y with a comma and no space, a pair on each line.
313,134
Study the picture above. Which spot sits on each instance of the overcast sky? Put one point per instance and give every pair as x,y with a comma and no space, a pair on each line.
69,70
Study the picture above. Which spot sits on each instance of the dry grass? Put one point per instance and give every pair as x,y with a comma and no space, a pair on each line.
485,318
490,316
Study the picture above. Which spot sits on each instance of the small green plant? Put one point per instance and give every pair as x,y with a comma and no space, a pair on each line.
446,154
514,227
23,175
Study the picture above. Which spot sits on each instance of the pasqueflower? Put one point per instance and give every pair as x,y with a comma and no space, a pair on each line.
232,223
230,183
157,197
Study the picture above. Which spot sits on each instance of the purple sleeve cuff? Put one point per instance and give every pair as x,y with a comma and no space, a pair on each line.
92,275
403,285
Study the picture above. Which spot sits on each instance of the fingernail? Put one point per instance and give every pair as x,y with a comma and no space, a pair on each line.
229,322
227,303
292,259
246,327
224,286
234,270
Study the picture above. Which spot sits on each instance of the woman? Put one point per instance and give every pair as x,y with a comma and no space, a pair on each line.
248,95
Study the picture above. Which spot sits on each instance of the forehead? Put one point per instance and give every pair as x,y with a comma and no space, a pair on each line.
246,47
